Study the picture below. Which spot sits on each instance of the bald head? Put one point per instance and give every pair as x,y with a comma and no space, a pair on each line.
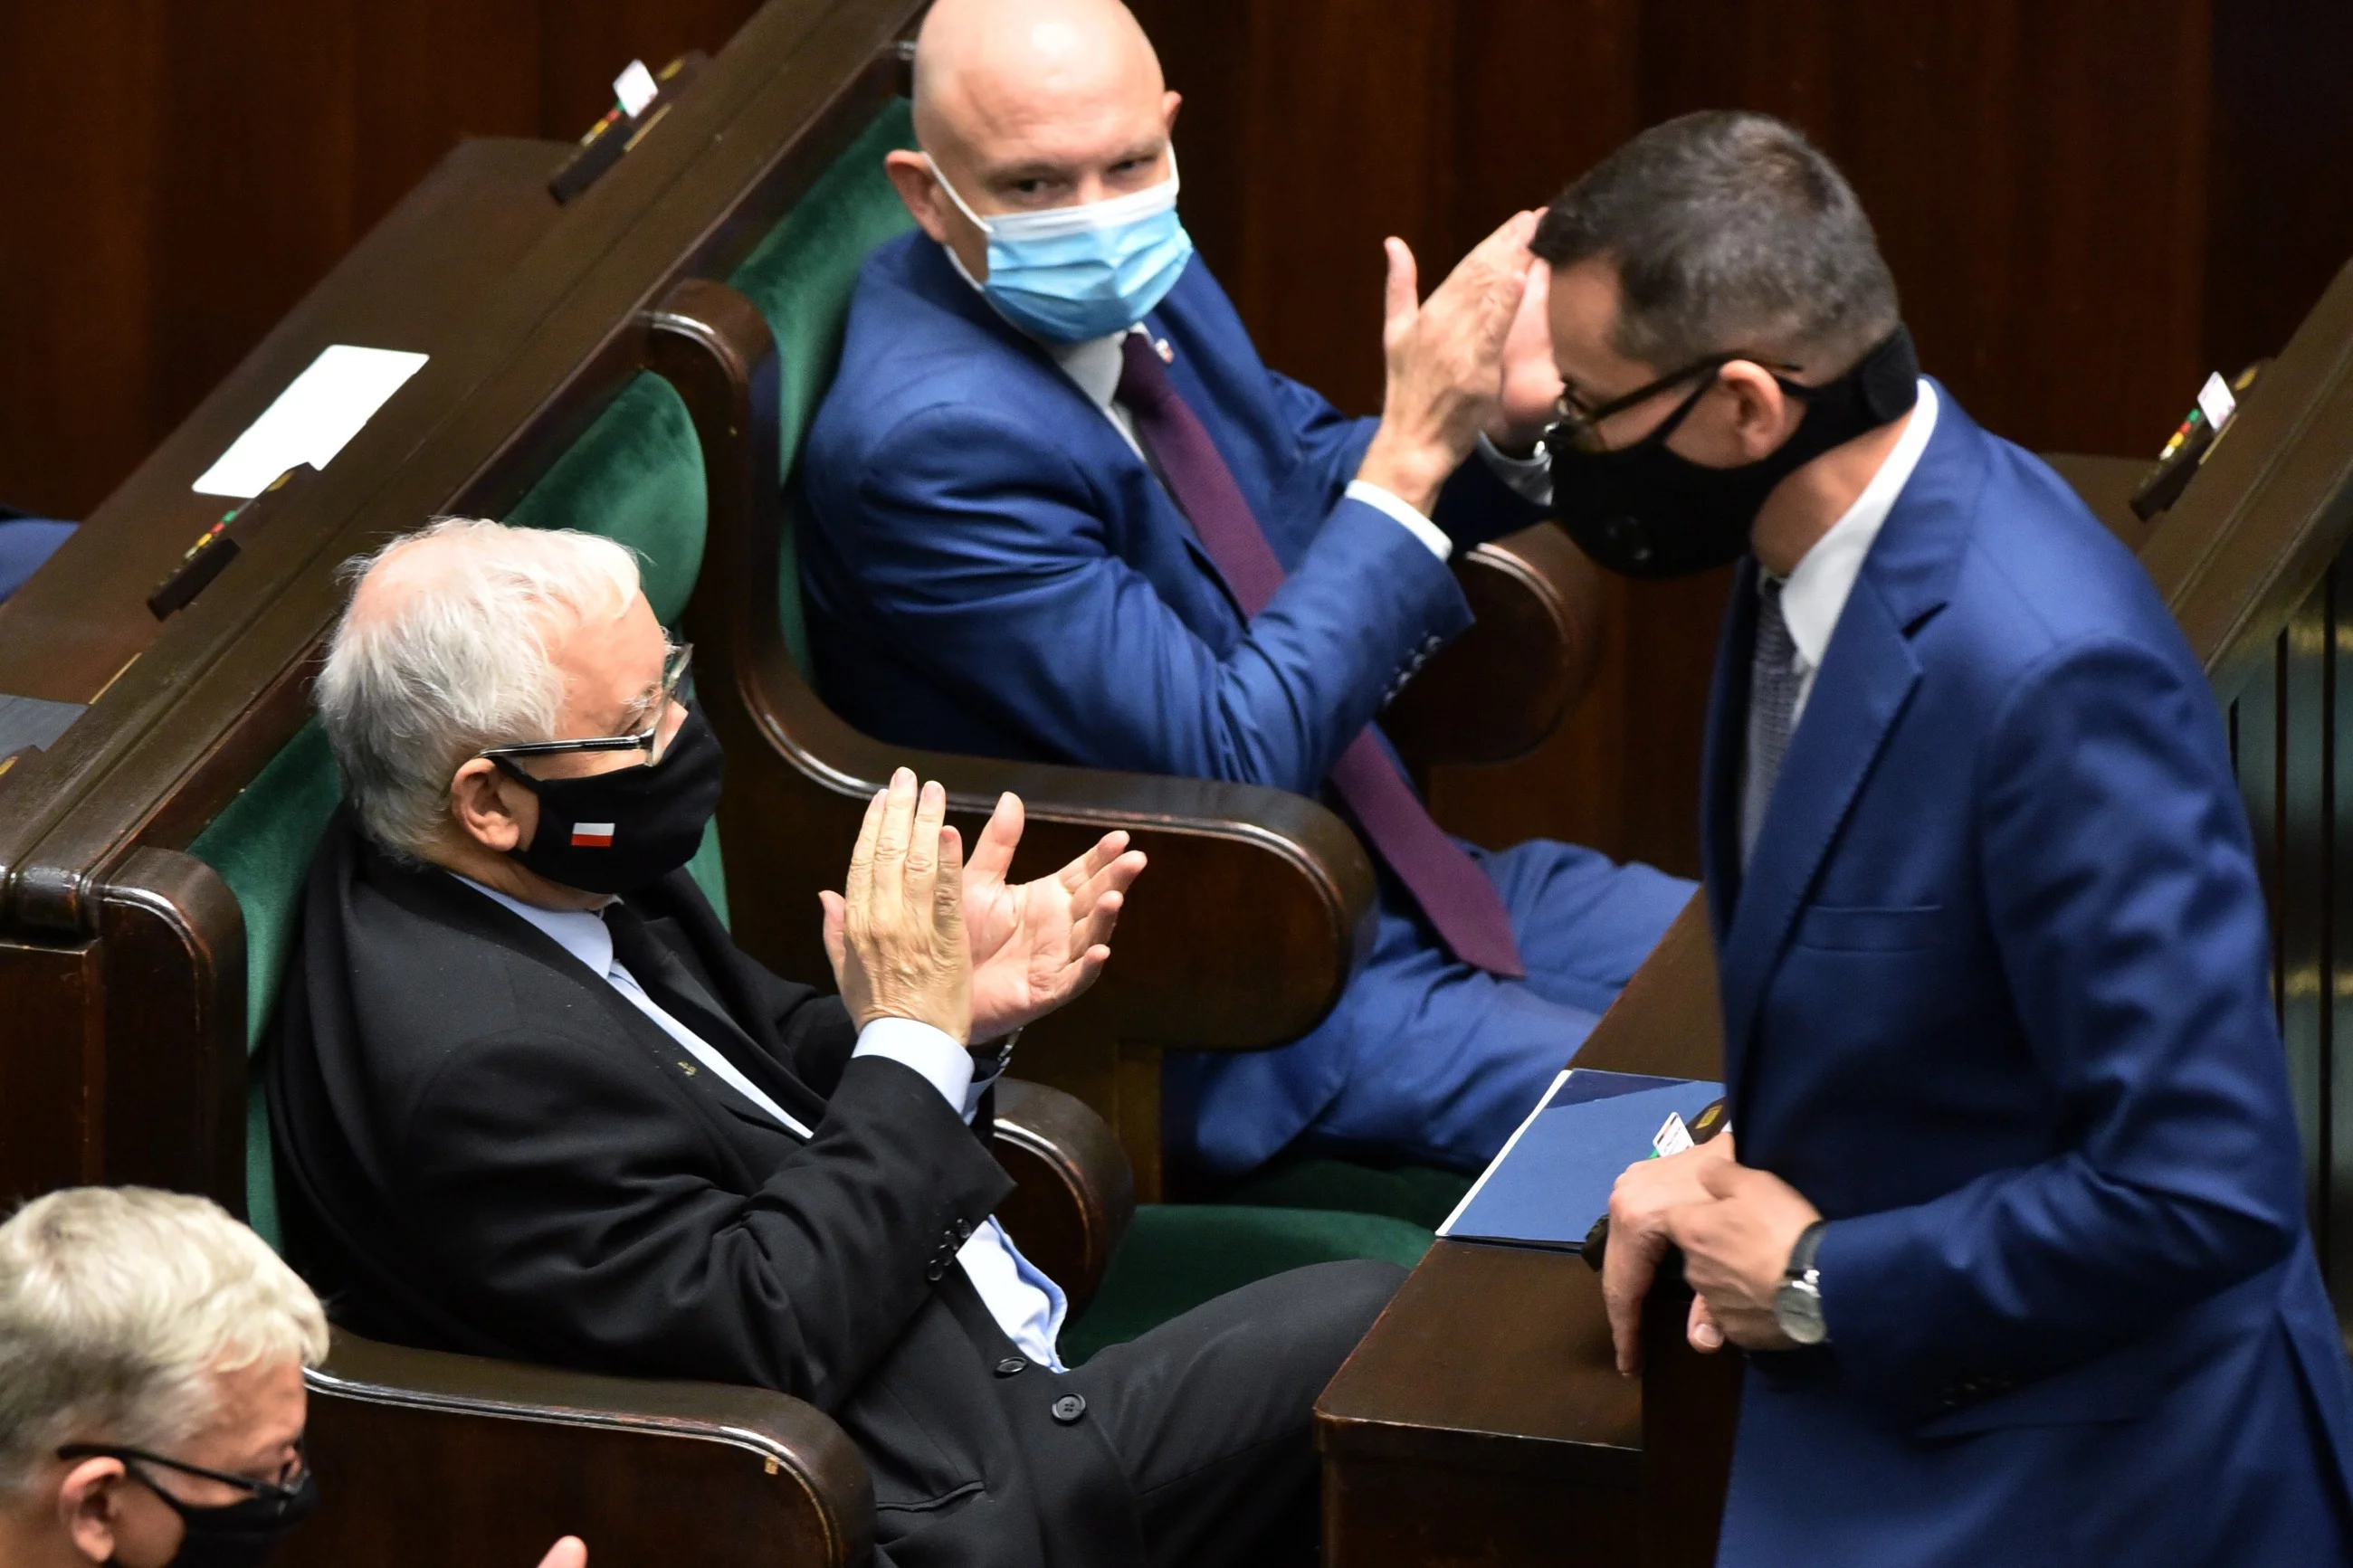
1024,105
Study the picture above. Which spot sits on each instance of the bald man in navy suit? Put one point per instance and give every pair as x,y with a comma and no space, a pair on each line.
1057,509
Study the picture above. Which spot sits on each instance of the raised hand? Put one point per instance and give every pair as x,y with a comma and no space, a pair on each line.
1445,361
569,1553
1037,945
895,933
1531,387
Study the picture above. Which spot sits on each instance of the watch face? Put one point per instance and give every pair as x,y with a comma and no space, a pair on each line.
1798,1307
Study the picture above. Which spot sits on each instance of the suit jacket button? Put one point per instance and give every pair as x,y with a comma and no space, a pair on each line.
1011,1366
936,1269
1069,1408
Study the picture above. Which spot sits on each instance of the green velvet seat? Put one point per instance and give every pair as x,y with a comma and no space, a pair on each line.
636,475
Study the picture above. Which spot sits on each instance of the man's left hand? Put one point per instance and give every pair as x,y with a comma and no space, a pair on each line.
1038,945
1736,1250
1531,387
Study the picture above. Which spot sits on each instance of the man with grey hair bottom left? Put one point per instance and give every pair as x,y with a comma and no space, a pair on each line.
151,1386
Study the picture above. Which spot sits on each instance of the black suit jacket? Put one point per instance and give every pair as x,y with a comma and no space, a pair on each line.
484,1147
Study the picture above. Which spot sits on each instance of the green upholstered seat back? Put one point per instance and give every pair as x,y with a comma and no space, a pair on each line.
801,276
635,474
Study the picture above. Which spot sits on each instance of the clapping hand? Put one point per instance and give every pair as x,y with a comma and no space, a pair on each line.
895,933
1531,387
1037,945
1445,360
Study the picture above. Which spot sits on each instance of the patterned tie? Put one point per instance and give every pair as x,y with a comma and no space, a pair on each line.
1447,883
1772,708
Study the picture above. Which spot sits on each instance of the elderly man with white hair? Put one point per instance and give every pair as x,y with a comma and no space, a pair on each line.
151,1386
530,1102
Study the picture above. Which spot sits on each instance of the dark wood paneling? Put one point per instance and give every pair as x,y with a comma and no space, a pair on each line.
183,173
2280,217
2293,742
55,997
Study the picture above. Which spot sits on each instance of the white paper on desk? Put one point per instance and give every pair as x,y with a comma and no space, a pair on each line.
320,411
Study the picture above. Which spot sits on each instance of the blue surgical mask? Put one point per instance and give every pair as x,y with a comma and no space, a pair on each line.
1071,274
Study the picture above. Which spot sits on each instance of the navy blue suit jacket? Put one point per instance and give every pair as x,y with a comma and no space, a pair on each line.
1996,1000
990,568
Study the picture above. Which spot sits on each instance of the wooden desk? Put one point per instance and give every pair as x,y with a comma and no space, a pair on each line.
1499,1434
1482,1421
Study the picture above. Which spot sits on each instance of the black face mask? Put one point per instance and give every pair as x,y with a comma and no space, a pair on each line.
1645,511
240,1534
620,831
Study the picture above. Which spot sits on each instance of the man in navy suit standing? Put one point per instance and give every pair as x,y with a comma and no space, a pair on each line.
2011,1216
1057,509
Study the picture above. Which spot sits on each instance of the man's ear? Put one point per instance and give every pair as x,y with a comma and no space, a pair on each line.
911,174
89,1507
491,808
1763,414
1170,103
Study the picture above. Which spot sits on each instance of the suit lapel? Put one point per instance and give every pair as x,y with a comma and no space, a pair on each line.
1866,679
1101,449
1868,676
1725,752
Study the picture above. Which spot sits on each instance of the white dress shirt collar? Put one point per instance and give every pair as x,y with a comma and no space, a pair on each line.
1816,592
580,932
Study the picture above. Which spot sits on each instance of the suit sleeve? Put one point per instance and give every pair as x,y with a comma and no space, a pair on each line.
985,552
1476,506
2123,898
575,1193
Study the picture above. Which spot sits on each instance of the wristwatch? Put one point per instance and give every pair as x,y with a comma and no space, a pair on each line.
1797,1304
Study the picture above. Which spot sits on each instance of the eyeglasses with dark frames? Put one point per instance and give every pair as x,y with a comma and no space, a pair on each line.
678,668
282,1492
1579,429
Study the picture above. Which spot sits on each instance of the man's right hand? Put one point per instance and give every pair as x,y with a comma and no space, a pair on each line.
896,933
1445,362
1638,1237
568,1552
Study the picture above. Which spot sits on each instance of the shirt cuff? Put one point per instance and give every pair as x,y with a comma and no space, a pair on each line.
1389,503
1528,478
943,1064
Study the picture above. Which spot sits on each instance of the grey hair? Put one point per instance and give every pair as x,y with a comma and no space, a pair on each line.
459,664
1730,232
118,1306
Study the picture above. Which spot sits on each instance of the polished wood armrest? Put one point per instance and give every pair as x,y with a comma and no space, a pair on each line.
426,1458
1258,904
1499,690
1075,1190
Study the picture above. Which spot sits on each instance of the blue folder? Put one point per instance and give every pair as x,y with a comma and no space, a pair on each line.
1553,1179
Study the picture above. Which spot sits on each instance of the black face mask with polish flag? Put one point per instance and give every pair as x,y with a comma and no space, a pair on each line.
619,831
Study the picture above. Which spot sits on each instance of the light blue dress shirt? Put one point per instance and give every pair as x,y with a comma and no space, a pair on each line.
1027,1305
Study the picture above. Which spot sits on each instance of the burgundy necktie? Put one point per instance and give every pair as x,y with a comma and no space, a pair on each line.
1448,884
